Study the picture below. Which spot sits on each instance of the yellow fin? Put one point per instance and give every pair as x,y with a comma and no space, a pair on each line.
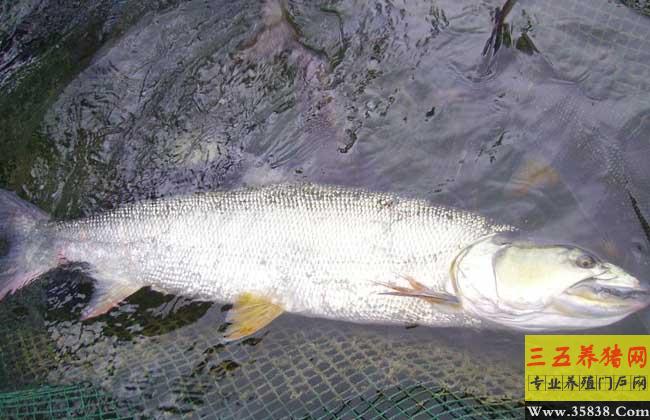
248,315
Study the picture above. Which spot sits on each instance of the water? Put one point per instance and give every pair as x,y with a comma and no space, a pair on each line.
132,100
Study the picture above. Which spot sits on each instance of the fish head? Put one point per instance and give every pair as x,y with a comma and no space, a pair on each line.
535,287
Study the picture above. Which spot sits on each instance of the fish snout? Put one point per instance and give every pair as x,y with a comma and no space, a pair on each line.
615,287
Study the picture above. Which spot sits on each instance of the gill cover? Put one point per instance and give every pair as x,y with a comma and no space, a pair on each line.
535,287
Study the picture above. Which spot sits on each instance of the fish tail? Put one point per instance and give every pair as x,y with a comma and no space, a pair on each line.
24,251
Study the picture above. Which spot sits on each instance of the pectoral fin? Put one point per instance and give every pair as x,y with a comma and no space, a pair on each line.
418,290
249,314
106,296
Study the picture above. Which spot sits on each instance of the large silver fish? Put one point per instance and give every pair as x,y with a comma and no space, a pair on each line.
323,252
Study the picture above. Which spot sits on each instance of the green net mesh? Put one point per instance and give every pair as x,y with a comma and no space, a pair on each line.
80,401
415,402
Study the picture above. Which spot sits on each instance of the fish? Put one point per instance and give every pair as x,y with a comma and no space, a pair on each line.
322,251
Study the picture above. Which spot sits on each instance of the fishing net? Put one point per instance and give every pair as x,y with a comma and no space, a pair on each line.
125,100
173,363
415,402
78,401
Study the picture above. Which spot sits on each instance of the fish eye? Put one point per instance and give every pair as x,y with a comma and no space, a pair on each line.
586,261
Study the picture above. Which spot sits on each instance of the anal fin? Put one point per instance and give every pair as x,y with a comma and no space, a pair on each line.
107,294
249,314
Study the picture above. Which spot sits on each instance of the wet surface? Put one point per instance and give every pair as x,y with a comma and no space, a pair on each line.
127,100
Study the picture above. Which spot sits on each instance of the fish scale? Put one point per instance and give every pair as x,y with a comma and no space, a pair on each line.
323,251
314,250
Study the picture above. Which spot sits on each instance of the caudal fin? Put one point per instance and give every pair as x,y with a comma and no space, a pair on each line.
24,252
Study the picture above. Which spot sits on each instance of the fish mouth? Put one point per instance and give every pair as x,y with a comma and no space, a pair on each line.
610,292
592,285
